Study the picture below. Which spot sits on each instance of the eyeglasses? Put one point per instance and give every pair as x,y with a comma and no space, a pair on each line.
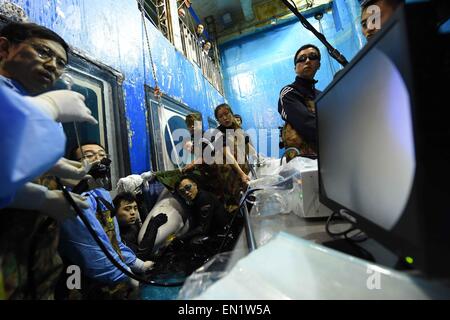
303,58
90,155
47,54
185,189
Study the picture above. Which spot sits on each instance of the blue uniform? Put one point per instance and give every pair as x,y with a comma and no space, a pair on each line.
77,244
30,141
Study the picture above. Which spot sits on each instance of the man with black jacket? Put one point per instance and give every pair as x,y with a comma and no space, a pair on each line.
296,103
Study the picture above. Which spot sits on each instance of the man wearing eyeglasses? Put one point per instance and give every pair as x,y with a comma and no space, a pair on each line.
32,57
100,278
296,104
33,63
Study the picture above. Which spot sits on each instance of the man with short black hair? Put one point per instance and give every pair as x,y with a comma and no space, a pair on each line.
296,103
200,36
32,57
382,11
102,279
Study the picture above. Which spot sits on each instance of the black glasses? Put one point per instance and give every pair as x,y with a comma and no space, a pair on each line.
90,155
47,54
303,58
185,189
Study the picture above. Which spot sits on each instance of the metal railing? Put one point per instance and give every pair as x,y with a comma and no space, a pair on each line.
210,66
157,11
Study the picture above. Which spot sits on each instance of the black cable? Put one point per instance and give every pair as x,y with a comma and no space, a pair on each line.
336,234
331,50
230,224
103,247
345,233
350,240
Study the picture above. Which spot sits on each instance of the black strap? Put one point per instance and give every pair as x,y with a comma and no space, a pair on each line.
107,204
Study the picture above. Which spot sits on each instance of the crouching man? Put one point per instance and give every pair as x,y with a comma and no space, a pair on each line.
100,278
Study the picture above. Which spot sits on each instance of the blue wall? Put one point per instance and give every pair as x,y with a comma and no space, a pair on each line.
256,67
111,31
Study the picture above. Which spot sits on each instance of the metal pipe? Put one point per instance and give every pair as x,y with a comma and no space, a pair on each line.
251,242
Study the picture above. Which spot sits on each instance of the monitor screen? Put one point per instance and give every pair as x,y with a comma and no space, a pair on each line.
366,141
383,141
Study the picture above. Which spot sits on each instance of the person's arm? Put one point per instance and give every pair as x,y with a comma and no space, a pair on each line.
148,241
293,111
232,160
206,215
78,245
25,133
50,202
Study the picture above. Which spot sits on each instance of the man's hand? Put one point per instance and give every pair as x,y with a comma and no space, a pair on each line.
189,167
69,169
148,265
64,106
130,183
245,178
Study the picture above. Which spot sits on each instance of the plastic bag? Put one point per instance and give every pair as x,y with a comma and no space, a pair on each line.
282,189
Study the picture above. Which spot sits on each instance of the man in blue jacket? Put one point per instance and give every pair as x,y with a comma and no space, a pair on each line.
101,279
32,58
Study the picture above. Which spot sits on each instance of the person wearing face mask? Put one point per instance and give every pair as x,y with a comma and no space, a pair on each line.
296,104
101,278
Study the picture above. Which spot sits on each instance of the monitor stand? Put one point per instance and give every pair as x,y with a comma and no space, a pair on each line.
350,248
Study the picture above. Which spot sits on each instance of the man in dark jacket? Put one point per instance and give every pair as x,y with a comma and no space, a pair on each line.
207,214
296,103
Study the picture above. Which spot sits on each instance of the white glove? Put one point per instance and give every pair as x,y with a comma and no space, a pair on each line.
69,169
129,184
148,265
52,203
140,266
64,106
148,176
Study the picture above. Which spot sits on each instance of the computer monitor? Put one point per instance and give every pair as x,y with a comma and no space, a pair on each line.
384,141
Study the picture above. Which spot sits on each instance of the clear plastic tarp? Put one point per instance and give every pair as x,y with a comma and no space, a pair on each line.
281,193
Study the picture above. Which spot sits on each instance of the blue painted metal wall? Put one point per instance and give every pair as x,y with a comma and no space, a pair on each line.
111,31
256,67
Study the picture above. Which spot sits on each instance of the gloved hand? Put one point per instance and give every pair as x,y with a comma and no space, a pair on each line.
69,169
140,266
64,106
129,184
50,202
148,265
148,176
